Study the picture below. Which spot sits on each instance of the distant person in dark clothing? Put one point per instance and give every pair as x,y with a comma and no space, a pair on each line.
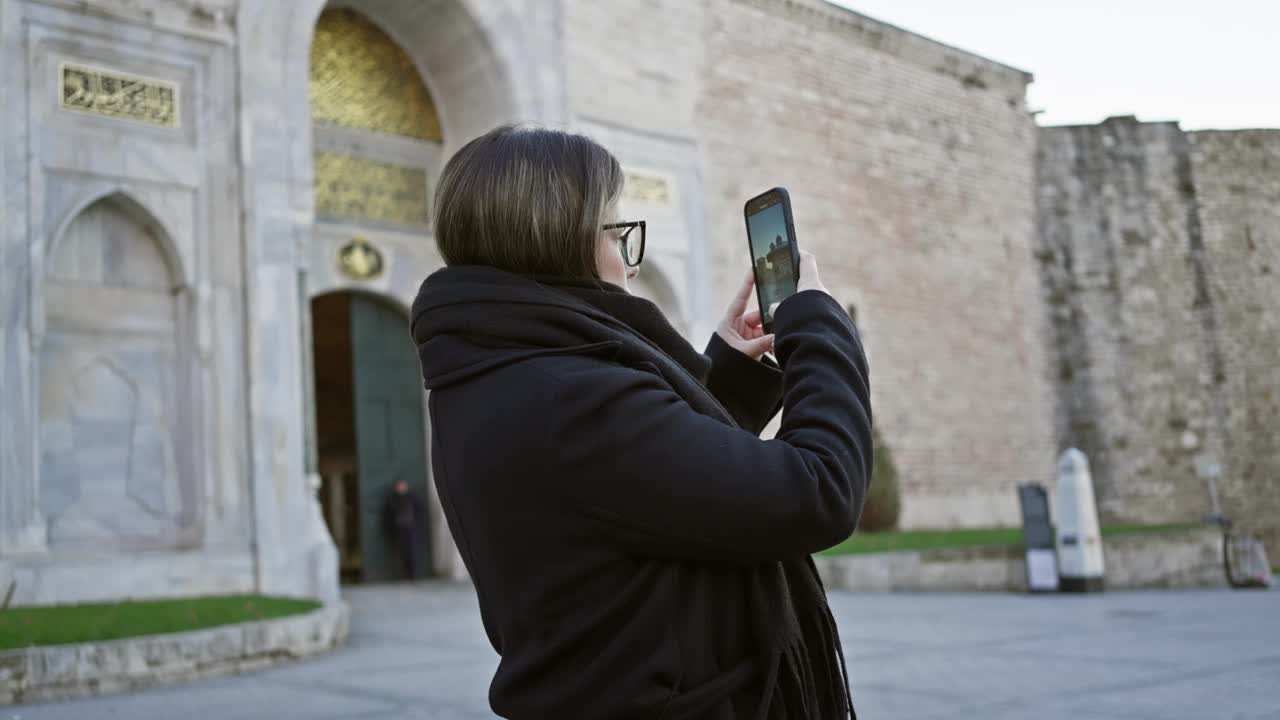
402,515
637,549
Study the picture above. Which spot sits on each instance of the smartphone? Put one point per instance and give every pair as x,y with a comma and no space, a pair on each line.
771,238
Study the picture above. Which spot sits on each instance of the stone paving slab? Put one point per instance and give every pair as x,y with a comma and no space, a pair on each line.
419,652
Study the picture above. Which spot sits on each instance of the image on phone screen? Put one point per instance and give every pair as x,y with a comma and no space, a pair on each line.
771,252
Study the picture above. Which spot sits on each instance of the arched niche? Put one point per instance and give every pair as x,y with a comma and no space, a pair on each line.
123,205
114,421
485,62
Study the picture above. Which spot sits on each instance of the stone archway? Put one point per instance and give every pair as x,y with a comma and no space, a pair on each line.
485,62
378,148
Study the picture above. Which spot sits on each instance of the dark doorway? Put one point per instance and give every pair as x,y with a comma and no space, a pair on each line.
369,429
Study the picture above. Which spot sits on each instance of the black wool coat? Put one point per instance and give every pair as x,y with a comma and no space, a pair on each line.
616,530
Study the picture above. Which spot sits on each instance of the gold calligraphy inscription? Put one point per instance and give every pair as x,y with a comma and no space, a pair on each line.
112,94
360,78
647,189
355,187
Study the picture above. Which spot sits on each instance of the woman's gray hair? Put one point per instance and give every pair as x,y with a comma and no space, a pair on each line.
526,199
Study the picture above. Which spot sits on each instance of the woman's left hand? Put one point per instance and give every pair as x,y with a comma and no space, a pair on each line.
742,330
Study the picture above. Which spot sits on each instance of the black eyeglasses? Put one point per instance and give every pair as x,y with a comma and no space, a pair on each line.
632,248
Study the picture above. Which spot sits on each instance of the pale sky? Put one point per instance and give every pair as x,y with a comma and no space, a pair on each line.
1206,64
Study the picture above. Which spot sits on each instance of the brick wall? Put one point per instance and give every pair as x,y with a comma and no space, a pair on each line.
909,165
1134,384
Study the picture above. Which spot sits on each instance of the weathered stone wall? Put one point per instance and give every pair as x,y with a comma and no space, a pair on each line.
910,168
1237,180
1135,387
1157,249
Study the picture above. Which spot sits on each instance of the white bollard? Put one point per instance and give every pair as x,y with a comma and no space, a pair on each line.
1079,538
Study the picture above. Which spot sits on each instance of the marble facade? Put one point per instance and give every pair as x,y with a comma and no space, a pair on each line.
157,272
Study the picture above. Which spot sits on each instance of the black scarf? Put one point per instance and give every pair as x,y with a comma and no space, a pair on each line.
806,677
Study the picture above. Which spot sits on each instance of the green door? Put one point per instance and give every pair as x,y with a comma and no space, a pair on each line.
389,430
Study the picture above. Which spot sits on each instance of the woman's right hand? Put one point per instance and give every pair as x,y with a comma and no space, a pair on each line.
809,279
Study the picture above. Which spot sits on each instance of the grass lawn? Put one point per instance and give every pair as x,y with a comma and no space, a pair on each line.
58,624
930,539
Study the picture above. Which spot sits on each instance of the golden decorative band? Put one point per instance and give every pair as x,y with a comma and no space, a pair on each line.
355,187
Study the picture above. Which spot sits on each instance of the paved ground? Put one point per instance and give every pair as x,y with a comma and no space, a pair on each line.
419,652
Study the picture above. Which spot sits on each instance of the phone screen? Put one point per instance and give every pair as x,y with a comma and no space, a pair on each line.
771,253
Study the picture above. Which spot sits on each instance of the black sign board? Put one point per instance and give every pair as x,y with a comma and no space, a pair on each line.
1037,530
1037,536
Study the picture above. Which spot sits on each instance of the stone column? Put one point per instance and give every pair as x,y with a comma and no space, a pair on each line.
22,529
311,454
295,555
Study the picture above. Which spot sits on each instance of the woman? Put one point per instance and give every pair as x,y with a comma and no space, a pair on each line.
638,551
